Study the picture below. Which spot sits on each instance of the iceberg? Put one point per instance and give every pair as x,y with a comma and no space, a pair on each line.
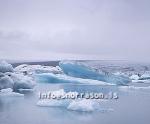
79,70
21,81
37,69
5,67
61,78
145,76
10,79
134,77
5,81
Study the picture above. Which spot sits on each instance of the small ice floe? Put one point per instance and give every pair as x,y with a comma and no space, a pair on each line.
145,76
82,105
87,105
134,77
9,93
79,104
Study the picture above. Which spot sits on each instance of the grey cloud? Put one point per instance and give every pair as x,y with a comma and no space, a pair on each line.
116,29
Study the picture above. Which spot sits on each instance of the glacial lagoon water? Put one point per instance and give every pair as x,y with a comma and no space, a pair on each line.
131,107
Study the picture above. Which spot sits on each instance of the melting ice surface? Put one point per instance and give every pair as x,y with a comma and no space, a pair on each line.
131,106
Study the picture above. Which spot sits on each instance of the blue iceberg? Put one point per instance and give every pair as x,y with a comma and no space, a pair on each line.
79,70
52,78
62,78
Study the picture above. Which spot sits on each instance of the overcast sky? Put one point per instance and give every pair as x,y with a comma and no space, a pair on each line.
75,29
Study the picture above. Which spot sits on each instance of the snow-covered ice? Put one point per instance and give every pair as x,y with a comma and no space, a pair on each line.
10,79
37,69
16,81
21,81
134,77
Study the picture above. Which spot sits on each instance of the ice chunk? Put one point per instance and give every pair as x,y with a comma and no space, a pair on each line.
79,70
9,79
21,81
79,104
82,105
145,76
16,81
37,69
134,77
118,73
89,105
9,92
5,81
5,67
61,78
